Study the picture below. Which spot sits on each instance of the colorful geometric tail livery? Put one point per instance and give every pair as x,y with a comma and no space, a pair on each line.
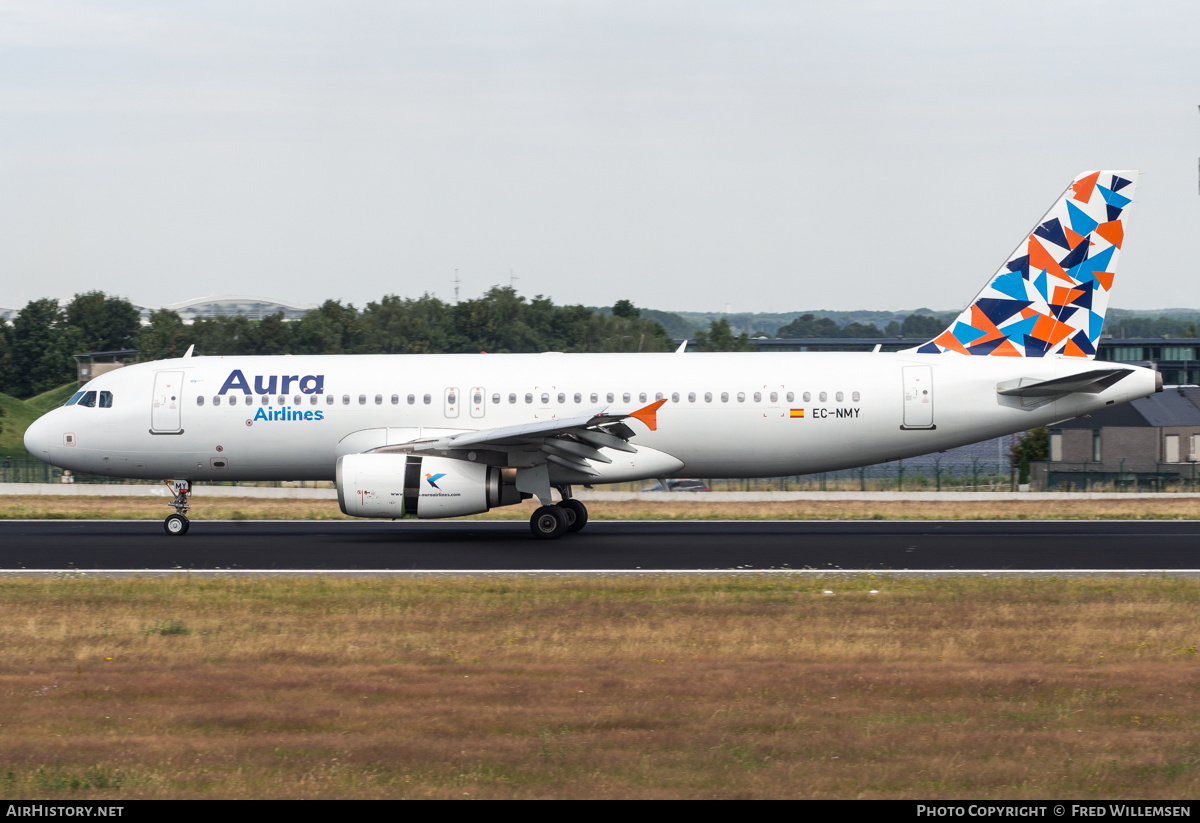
1050,297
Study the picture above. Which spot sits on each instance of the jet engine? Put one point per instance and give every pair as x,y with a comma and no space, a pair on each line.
404,485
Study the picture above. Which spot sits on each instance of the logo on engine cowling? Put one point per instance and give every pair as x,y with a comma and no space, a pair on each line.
432,479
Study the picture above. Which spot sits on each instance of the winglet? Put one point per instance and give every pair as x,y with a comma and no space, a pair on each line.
649,414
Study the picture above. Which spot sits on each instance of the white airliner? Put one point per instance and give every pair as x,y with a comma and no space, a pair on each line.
433,436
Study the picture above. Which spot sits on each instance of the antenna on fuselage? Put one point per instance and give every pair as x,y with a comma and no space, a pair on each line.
191,349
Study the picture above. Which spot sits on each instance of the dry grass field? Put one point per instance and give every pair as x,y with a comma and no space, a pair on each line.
646,687
39,507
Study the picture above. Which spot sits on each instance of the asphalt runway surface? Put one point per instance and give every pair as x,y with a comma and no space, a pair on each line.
604,546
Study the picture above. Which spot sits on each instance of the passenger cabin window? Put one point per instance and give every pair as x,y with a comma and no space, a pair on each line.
758,397
412,398
233,399
328,400
217,400
674,397
427,399
610,396
496,400
296,400
774,397
691,397
265,400
741,397
823,396
839,397
362,400
807,397
854,396
724,397
528,397
578,397
595,397
345,400
562,398
642,397
379,400
625,397
199,400
395,399
312,400
708,397
791,397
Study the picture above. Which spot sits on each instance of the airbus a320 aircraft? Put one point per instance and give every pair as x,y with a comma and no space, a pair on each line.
433,436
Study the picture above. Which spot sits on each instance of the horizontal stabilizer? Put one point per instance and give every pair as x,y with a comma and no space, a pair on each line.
1092,382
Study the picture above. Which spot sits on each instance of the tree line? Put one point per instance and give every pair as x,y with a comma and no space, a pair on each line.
37,350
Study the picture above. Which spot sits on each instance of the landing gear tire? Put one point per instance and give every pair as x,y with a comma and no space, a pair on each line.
548,523
577,515
176,524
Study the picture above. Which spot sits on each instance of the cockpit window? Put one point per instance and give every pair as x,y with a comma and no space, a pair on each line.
106,400
75,398
88,399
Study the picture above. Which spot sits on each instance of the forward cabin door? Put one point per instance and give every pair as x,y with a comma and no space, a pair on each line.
918,397
167,400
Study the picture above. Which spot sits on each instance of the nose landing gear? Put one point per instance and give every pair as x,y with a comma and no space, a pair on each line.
178,524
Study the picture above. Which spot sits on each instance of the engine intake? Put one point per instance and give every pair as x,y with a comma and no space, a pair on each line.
403,485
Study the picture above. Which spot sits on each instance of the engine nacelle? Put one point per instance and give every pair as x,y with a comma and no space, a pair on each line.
405,485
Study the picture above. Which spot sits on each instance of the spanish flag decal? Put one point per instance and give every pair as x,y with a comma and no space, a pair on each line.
797,412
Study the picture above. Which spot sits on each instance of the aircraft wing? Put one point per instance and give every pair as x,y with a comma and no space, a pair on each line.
568,441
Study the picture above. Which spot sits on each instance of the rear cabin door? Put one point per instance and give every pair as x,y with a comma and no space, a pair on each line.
918,397
167,400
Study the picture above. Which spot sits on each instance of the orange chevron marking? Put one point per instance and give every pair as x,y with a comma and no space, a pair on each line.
947,340
1050,330
1072,350
1063,296
1006,349
1112,232
1083,188
649,414
1039,258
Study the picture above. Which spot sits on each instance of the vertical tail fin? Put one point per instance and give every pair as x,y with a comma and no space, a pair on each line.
1051,295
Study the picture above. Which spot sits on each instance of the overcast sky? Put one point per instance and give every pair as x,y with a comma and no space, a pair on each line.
764,156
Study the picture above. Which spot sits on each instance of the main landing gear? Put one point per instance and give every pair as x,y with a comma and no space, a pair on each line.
177,524
552,522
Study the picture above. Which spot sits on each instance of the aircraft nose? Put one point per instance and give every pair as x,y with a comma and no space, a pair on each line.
37,438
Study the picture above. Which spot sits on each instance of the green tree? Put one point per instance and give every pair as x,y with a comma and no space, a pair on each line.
41,349
1031,447
624,308
330,329
720,337
921,325
165,337
806,325
102,323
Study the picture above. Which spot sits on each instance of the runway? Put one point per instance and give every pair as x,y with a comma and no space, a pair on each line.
604,546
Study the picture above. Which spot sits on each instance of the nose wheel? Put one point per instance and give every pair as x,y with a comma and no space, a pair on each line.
177,523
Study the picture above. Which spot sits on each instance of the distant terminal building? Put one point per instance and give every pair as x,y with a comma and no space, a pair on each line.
252,308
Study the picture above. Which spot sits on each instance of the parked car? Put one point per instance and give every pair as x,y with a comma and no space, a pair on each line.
679,486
